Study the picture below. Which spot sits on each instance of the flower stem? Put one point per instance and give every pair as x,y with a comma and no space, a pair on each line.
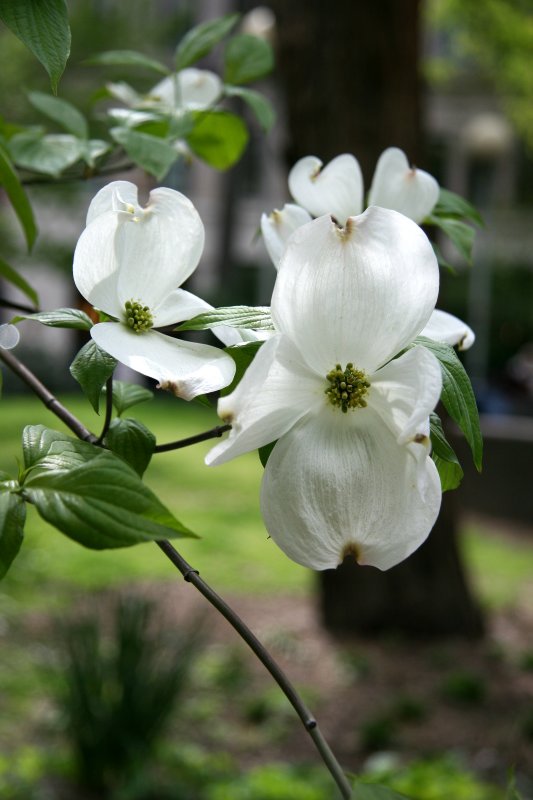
108,410
220,430
192,576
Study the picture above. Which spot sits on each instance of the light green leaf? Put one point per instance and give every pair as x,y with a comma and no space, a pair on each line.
17,196
247,58
12,276
93,149
12,519
375,791
91,368
458,396
451,204
154,155
260,105
50,154
132,441
126,395
62,112
46,449
255,317
218,138
447,463
42,25
460,234
127,58
243,355
102,504
60,318
200,40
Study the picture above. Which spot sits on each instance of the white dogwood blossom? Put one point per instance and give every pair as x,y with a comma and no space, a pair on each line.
129,262
344,394
9,336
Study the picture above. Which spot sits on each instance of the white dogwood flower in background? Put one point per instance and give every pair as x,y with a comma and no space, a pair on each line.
9,336
129,263
350,472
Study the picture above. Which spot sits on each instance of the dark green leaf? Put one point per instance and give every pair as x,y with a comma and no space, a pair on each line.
46,449
255,317
218,138
132,441
50,154
154,155
461,234
17,196
451,204
43,27
243,355
200,40
91,368
12,519
247,58
375,791
60,318
447,463
126,395
62,112
11,276
264,452
127,58
458,396
102,504
260,105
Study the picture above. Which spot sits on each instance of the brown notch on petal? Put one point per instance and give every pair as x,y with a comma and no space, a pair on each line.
420,438
175,387
345,232
351,550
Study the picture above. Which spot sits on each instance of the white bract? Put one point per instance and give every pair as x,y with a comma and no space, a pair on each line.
129,263
344,394
9,336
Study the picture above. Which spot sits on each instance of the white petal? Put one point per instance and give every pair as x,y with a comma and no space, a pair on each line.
178,306
404,393
9,336
444,327
331,487
337,189
112,197
277,226
277,390
158,248
358,294
196,89
130,117
95,268
401,187
124,92
185,368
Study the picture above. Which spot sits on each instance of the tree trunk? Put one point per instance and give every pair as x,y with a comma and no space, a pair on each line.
350,74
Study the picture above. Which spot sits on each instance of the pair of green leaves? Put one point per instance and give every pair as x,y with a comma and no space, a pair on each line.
452,215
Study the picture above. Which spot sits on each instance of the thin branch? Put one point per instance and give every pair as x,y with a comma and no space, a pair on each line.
108,410
49,400
220,430
192,576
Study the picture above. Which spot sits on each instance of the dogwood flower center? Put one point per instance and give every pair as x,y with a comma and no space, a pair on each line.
347,387
138,317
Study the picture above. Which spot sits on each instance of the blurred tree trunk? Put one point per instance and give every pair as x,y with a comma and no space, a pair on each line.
351,80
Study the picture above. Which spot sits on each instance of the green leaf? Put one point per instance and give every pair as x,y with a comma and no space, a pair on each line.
93,149
154,155
458,396
132,441
247,58
126,395
60,318
46,449
17,196
260,105
127,58
264,452
461,234
42,25
243,355
218,138
102,504
375,791
50,154
12,519
91,368
447,463
200,40
12,276
255,317
451,204
62,112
